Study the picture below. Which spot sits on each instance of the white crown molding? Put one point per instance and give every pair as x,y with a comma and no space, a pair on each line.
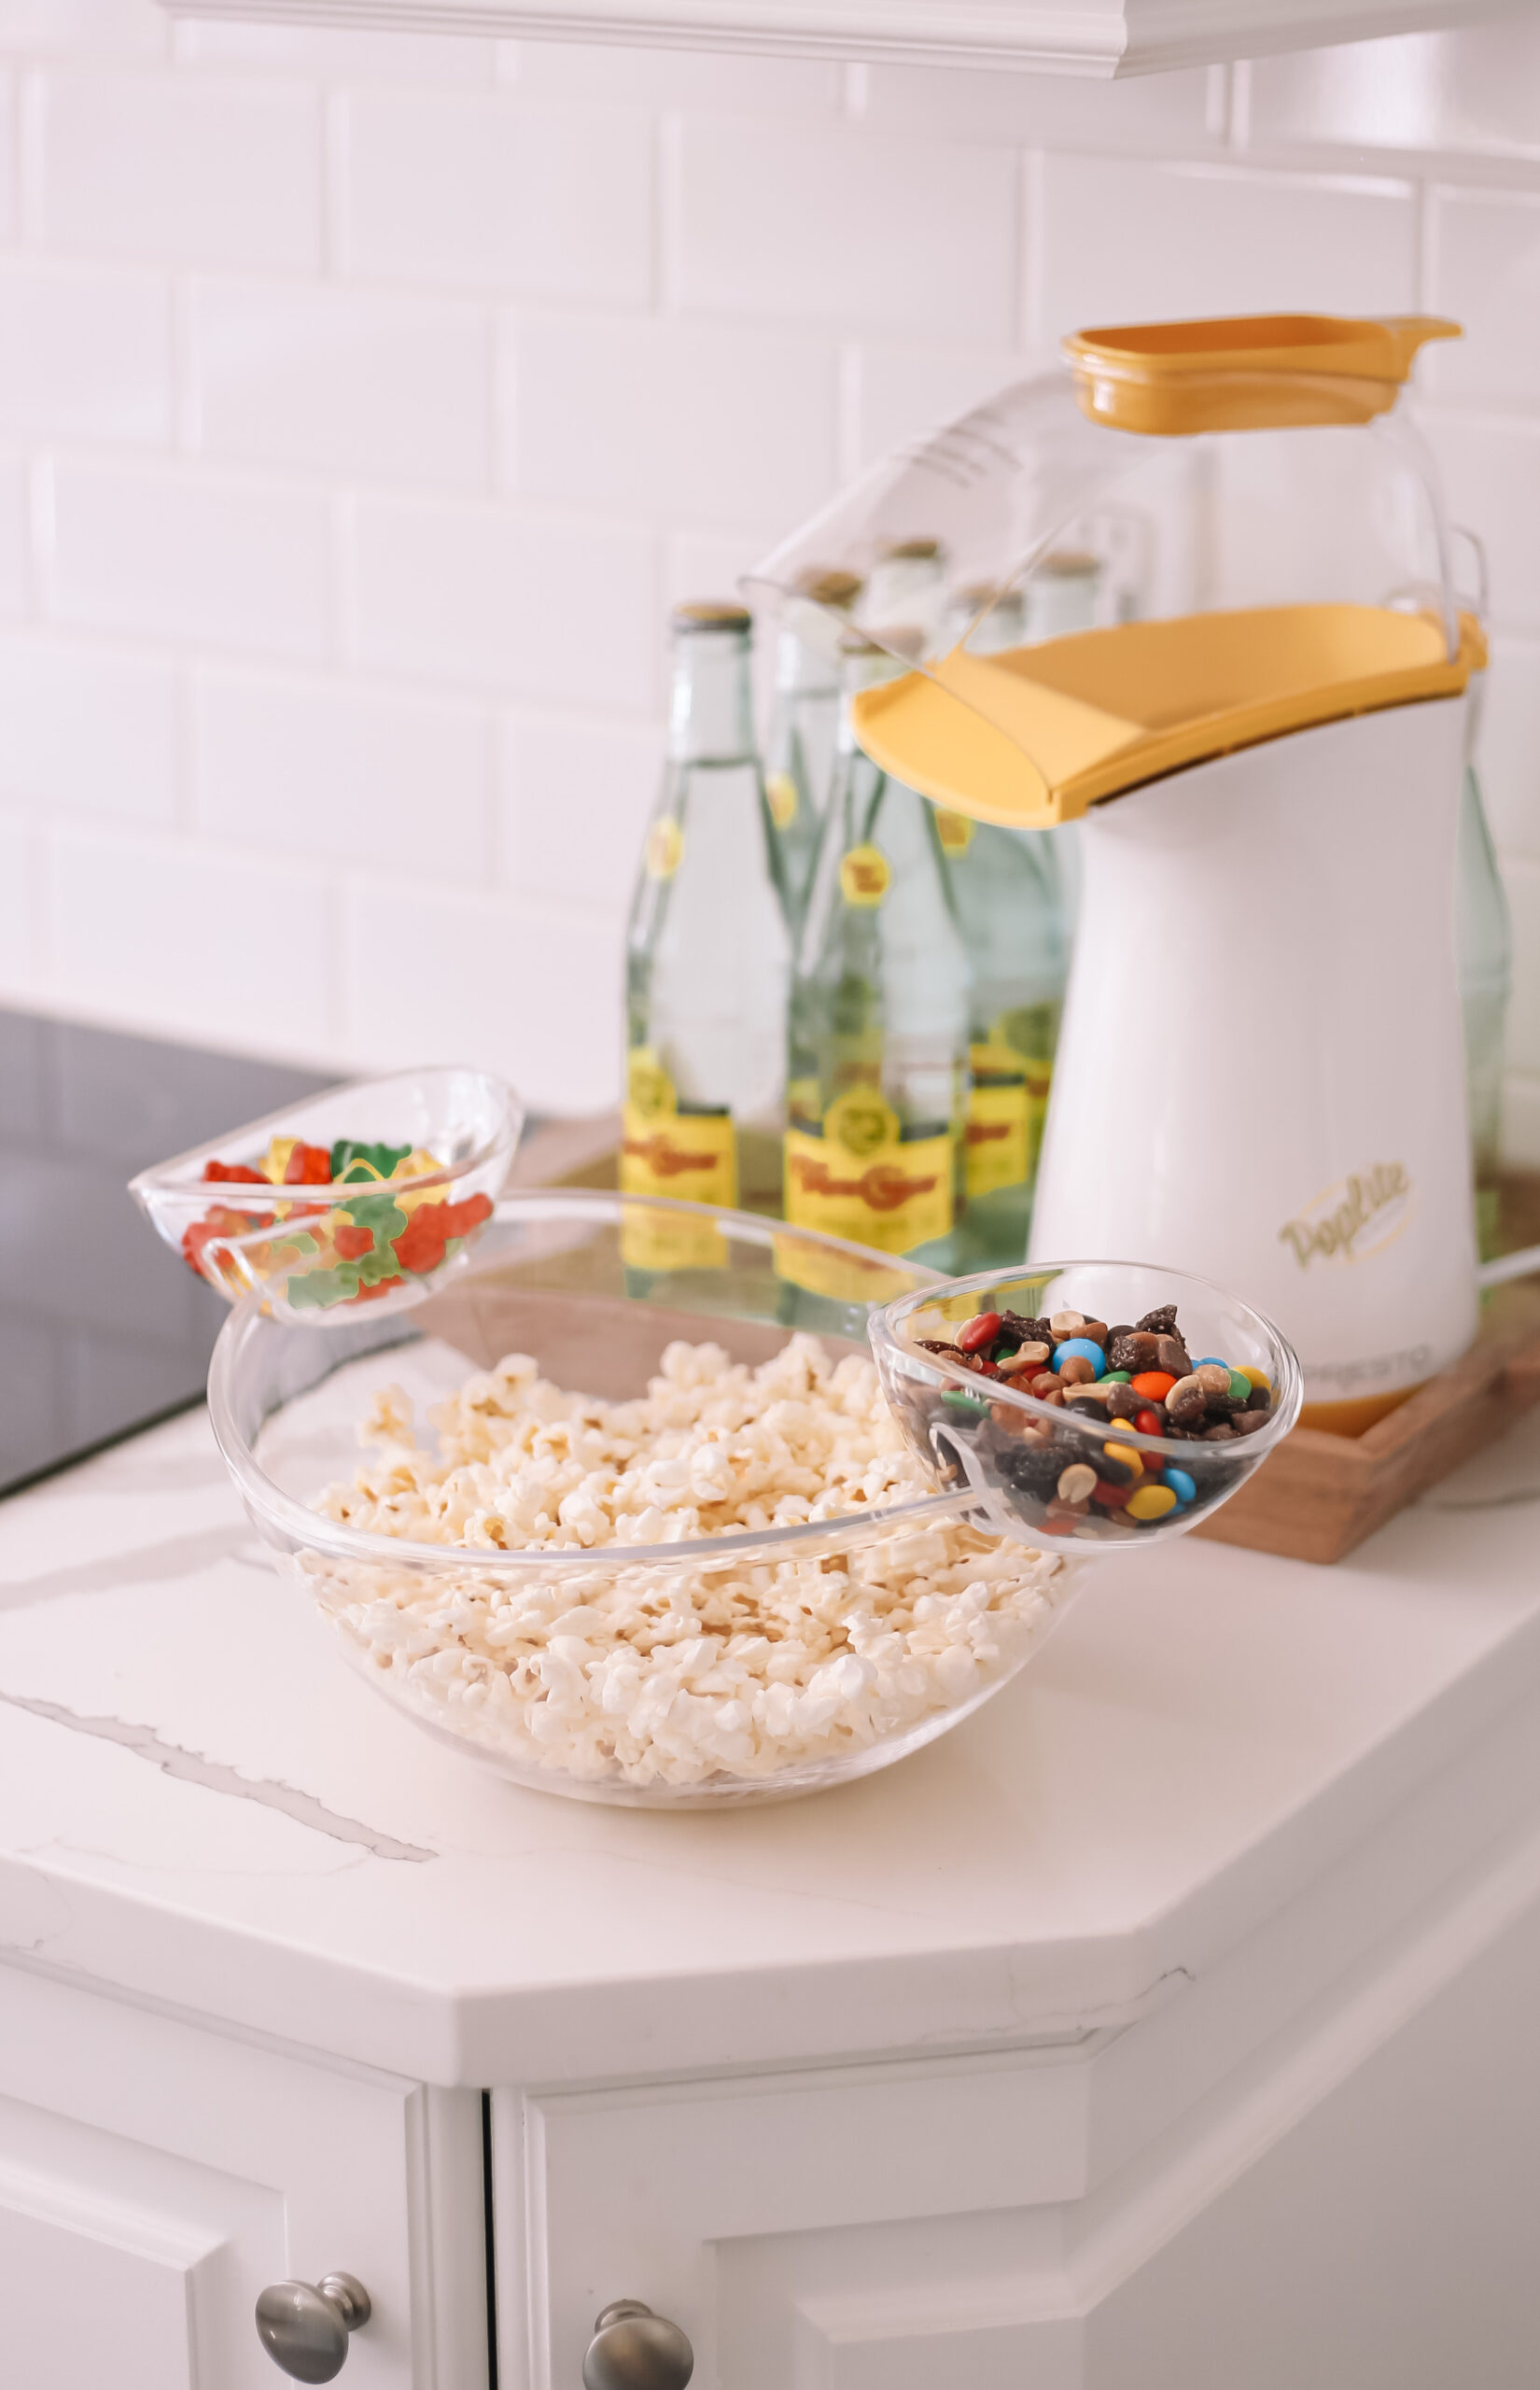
1089,37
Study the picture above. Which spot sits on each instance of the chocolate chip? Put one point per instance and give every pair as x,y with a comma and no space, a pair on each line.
1171,1354
1123,1403
1219,1434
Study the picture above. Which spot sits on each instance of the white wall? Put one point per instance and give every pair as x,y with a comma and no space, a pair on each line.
364,401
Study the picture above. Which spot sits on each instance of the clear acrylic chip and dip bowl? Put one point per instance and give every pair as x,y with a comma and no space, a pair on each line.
496,1651
1009,1448
321,1251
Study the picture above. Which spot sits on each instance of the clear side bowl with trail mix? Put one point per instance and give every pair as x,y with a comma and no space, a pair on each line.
1088,1402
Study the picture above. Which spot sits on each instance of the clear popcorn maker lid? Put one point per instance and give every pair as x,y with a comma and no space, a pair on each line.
1297,553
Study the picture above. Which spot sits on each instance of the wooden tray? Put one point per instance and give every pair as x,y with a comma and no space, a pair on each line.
1319,1496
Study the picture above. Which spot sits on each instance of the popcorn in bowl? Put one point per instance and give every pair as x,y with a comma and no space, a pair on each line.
718,1574
709,1665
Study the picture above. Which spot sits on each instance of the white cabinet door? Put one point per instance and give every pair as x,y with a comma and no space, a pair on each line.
154,2177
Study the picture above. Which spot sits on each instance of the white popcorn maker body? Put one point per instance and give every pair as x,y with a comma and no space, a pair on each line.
1260,1075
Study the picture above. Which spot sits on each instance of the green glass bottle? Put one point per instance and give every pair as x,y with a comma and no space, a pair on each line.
799,748
708,951
878,1078
1008,894
1484,939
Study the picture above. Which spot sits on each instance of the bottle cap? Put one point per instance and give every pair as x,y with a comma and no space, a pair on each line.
828,585
712,614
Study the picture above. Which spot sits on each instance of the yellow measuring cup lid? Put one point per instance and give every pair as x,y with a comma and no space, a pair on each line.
1247,373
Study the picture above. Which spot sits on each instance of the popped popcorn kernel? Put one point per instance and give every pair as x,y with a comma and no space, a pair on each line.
679,1672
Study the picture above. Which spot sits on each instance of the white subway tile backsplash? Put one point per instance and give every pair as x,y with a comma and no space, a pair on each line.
1508,754
102,28
1130,241
532,991
353,54
18,959
484,596
165,551
1057,111
1491,482
575,799
139,164
549,204
229,948
695,423
10,159
1486,274
85,355
590,74
364,775
362,384
859,230
1466,90
87,731
664,300
16,579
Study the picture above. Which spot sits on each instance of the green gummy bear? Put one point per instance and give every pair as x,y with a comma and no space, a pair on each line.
351,1149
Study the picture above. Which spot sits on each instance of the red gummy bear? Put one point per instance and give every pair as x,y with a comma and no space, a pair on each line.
352,1243
309,1166
231,1174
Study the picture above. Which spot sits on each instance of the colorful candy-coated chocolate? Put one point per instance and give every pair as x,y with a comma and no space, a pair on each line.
1211,1361
1151,1502
1114,1377
1147,1423
1108,1497
1156,1384
1257,1377
1182,1485
1240,1387
1077,1348
976,1333
1127,1454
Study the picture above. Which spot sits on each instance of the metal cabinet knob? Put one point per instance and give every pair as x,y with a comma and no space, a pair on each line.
304,2326
632,2349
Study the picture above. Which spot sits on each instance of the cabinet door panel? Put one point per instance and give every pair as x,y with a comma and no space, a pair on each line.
154,2176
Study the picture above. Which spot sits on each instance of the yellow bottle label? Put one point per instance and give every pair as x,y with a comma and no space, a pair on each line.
1006,1112
780,791
999,1136
866,876
954,831
689,1156
664,849
860,1180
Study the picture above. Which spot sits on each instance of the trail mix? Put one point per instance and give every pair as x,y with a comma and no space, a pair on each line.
1140,1378
346,1252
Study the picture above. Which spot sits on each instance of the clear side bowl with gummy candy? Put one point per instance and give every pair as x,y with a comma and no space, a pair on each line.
367,1193
1058,1394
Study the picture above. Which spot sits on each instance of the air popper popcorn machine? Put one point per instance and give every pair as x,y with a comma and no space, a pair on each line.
1260,1072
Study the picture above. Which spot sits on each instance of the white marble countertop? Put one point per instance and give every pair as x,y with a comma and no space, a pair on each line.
206,1808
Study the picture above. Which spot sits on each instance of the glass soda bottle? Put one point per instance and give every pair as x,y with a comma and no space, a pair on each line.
708,956
1008,894
799,759
878,1037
